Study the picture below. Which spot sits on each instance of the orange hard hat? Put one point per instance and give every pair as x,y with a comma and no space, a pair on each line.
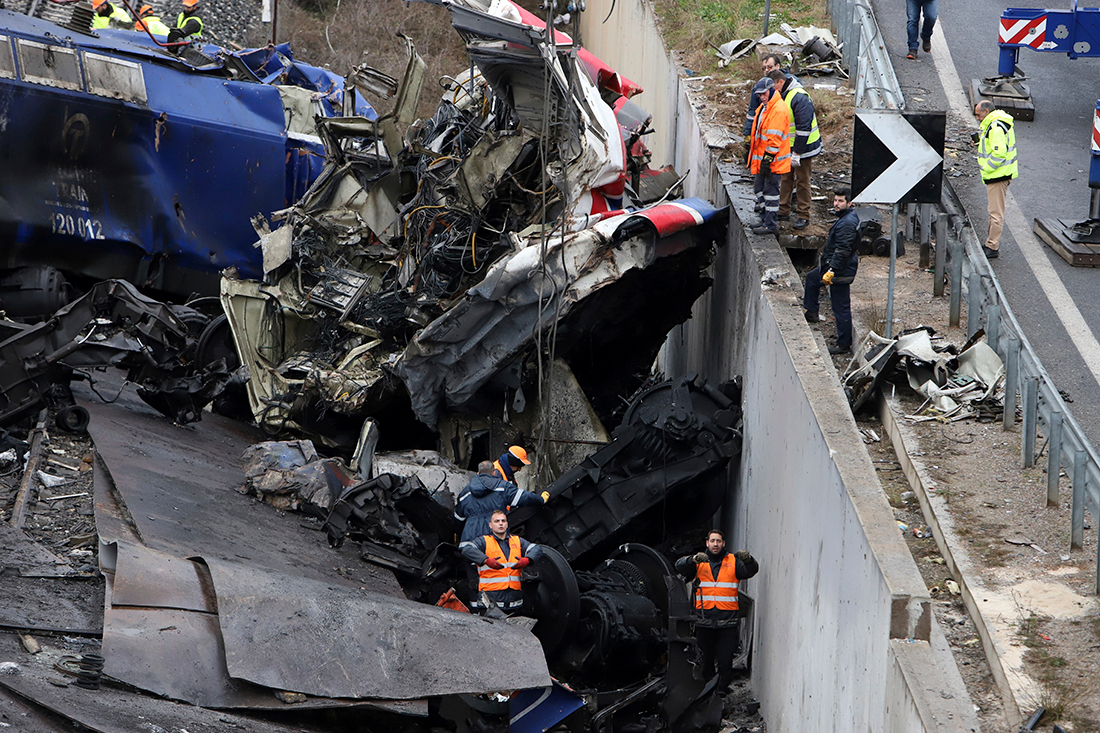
145,10
97,3
519,453
190,3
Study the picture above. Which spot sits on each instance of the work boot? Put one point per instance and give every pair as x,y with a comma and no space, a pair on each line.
813,317
764,230
990,254
912,53
835,349
928,45
784,217
800,223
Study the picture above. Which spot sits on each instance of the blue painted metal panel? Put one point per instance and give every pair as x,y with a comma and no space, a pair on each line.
1074,31
158,193
539,710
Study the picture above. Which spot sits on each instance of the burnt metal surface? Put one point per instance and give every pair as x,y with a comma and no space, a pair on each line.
661,473
136,333
111,709
394,511
162,634
177,654
310,636
145,577
178,484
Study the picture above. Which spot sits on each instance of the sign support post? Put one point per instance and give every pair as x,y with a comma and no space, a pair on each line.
893,266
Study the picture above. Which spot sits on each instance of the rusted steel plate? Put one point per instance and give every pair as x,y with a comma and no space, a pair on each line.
115,710
177,654
311,636
178,484
145,577
110,518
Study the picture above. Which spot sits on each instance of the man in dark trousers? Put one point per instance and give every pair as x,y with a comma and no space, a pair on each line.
717,575
794,186
770,153
500,558
837,269
487,493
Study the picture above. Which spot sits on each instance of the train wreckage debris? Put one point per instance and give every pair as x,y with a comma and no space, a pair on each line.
477,278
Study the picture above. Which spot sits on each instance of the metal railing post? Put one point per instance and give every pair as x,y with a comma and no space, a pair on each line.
1031,413
1054,457
1012,381
1077,513
973,304
1098,556
855,39
910,216
993,327
956,282
925,235
941,255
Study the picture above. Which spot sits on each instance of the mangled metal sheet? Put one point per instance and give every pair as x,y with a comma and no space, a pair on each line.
114,709
162,634
145,577
434,471
180,491
954,383
523,293
309,636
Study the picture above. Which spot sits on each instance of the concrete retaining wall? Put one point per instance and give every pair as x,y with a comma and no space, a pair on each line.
844,630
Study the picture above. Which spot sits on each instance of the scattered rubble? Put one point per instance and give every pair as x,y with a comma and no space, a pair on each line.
479,278
958,383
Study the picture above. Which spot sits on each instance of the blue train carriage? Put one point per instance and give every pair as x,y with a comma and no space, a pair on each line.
121,159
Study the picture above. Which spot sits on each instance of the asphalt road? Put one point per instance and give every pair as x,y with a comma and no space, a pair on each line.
1056,304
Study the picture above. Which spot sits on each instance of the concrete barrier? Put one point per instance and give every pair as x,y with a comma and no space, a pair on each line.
845,636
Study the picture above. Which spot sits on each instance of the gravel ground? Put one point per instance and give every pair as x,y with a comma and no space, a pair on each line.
225,22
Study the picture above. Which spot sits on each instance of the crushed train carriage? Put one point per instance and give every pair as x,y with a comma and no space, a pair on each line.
121,155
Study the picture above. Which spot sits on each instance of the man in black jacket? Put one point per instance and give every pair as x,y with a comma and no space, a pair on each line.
716,576
837,269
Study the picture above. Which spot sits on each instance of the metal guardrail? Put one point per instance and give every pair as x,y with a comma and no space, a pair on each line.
865,55
1042,405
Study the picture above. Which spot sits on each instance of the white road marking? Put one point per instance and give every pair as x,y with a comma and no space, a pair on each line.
1033,249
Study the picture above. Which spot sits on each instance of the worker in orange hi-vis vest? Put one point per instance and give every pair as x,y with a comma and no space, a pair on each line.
500,558
717,575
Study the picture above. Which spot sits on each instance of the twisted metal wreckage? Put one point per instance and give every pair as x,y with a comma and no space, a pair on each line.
509,267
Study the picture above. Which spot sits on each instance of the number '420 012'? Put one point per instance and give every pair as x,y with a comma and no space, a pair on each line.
76,226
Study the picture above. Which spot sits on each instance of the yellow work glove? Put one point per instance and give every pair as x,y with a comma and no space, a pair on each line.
545,496
827,278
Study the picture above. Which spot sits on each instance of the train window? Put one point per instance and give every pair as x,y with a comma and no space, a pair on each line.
52,66
7,59
115,78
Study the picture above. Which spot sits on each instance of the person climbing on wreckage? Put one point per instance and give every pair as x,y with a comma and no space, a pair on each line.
511,462
500,558
485,494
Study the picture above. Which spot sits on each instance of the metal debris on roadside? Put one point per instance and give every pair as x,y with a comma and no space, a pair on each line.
957,383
